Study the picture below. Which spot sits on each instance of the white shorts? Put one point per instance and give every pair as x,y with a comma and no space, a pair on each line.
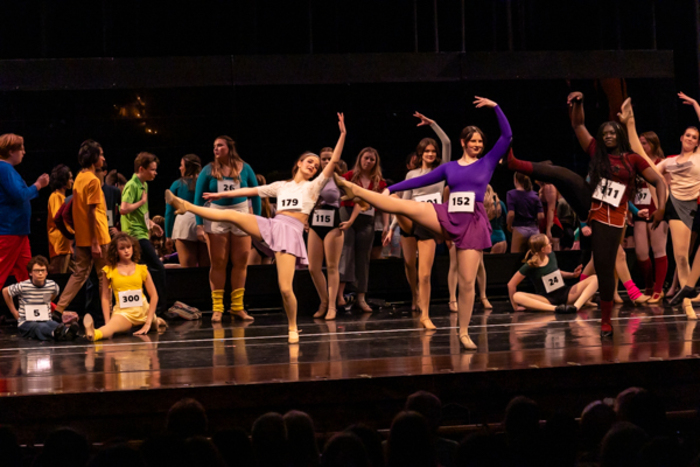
185,227
214,227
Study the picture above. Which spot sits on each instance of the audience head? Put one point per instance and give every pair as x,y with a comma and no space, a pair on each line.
270,440
301,439
308,164
61,178
123,246
429,152
522,418
202,453
344,450
64,448
479,450
164,450
639,406
596,419
186,418
118,455
372,442
146,166
11,148
91,154
621,446
428,405
410,442
235,447
472,140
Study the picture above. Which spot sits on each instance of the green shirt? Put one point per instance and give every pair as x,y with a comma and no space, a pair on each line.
134,223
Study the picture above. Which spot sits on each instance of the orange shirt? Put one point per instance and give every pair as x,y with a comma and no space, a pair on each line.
58,244
87,191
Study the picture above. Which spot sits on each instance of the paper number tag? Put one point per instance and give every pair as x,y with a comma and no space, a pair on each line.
609,192
287,203
323,218
110,218
643,197
37,313
553,281
434,198
130,298
223,186
462,201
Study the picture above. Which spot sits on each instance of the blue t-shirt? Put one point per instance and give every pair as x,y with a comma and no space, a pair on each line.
15,209
208,184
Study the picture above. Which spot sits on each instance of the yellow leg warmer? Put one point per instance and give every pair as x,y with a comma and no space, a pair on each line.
217,301
237,299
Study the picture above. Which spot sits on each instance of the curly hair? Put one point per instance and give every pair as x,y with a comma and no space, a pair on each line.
600,162
113,248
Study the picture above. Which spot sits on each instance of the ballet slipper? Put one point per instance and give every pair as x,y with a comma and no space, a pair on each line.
689,310
467,342
216,316
242,315
322,310
427,323
453,305
346,186
641,300
293,337
617,299
590,303
330,315
179,204
362,305
485,302
657,297
89,327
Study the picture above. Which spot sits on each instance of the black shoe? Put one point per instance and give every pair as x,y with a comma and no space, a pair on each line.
604,334
59,333
56,316
71,332
685,292
565,309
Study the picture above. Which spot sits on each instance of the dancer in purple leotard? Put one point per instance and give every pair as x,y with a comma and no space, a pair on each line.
463,219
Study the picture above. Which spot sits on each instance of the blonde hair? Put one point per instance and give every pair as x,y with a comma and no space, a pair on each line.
375,175
491,203
536,243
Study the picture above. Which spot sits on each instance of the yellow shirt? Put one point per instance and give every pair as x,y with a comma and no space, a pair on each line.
58,244
121,283
87,191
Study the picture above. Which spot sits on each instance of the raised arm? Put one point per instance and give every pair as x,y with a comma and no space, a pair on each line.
690,101
577,117
626,116
330,168
501,147
444,139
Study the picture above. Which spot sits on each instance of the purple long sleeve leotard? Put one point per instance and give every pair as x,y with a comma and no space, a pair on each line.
468,230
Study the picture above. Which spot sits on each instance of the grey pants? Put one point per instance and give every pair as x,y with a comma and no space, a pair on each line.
357,247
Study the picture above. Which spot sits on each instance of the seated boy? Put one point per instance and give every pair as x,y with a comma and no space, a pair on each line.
35,296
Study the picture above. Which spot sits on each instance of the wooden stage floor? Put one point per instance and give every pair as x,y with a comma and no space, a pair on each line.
358,365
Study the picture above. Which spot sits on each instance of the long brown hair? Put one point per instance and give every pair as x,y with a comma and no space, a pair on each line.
524,181
113,248
265,206
234,160
193,165
536,243
375,176
653,140
424,143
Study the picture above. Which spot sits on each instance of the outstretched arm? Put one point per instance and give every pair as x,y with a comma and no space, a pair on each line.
240,192
626,116
501,147
434,176
330,168
690,101
444,139
575,103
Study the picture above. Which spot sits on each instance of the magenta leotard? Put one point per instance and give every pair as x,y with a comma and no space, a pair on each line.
473,177
468,230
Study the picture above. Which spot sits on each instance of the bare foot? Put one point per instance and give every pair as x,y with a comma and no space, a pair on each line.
688,308
330,316
486,303
216,317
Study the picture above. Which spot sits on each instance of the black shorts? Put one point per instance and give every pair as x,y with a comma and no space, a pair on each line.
323,231
557,231
377,242
696,223
418,232
559,296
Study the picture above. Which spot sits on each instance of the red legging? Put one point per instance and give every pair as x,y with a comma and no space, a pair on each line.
15,254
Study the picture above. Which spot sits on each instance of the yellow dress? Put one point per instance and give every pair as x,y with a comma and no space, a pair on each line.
121,283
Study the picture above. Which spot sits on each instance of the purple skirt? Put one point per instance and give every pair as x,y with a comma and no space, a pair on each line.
468,230
283,234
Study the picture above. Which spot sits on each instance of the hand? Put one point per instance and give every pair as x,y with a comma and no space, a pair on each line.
341,123
201,236
643,213
483,102
687,100
626,114
423,119
42,181
658,217
386,237
144,330
386,192
586,231
212,196
144,196
578,270
113,231
345,225
96,250
574,98
158,230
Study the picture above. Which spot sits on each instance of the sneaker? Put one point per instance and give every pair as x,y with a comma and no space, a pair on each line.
59,332
183,313
56,316
71,332
191,309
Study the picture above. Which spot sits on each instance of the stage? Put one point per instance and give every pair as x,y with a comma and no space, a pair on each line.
358,367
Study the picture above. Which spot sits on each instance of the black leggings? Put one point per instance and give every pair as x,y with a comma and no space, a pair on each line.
571,185
606,240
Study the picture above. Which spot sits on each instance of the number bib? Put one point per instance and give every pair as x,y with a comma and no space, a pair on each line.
110,218
434,198
130,298
224,185
643,197
609,192
37,312
553,281
290,202
323,218
462,201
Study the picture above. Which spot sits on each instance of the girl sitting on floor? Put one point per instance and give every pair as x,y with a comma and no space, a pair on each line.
552,293
126,278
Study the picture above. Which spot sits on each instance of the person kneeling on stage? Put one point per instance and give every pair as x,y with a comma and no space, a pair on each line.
552,293
35,295
126,278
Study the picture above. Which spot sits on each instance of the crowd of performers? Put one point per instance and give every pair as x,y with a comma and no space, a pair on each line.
222,213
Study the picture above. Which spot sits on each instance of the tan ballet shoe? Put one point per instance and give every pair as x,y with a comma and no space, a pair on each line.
485,302
322,310
179,204
216,316
641,300
349,194
362,305
656,298
467,342
242,315
427,323
330,315
617,299
293,337
89,327
454,306
689,310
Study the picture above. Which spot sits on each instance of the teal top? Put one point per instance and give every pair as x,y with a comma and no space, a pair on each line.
181,189
208,184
